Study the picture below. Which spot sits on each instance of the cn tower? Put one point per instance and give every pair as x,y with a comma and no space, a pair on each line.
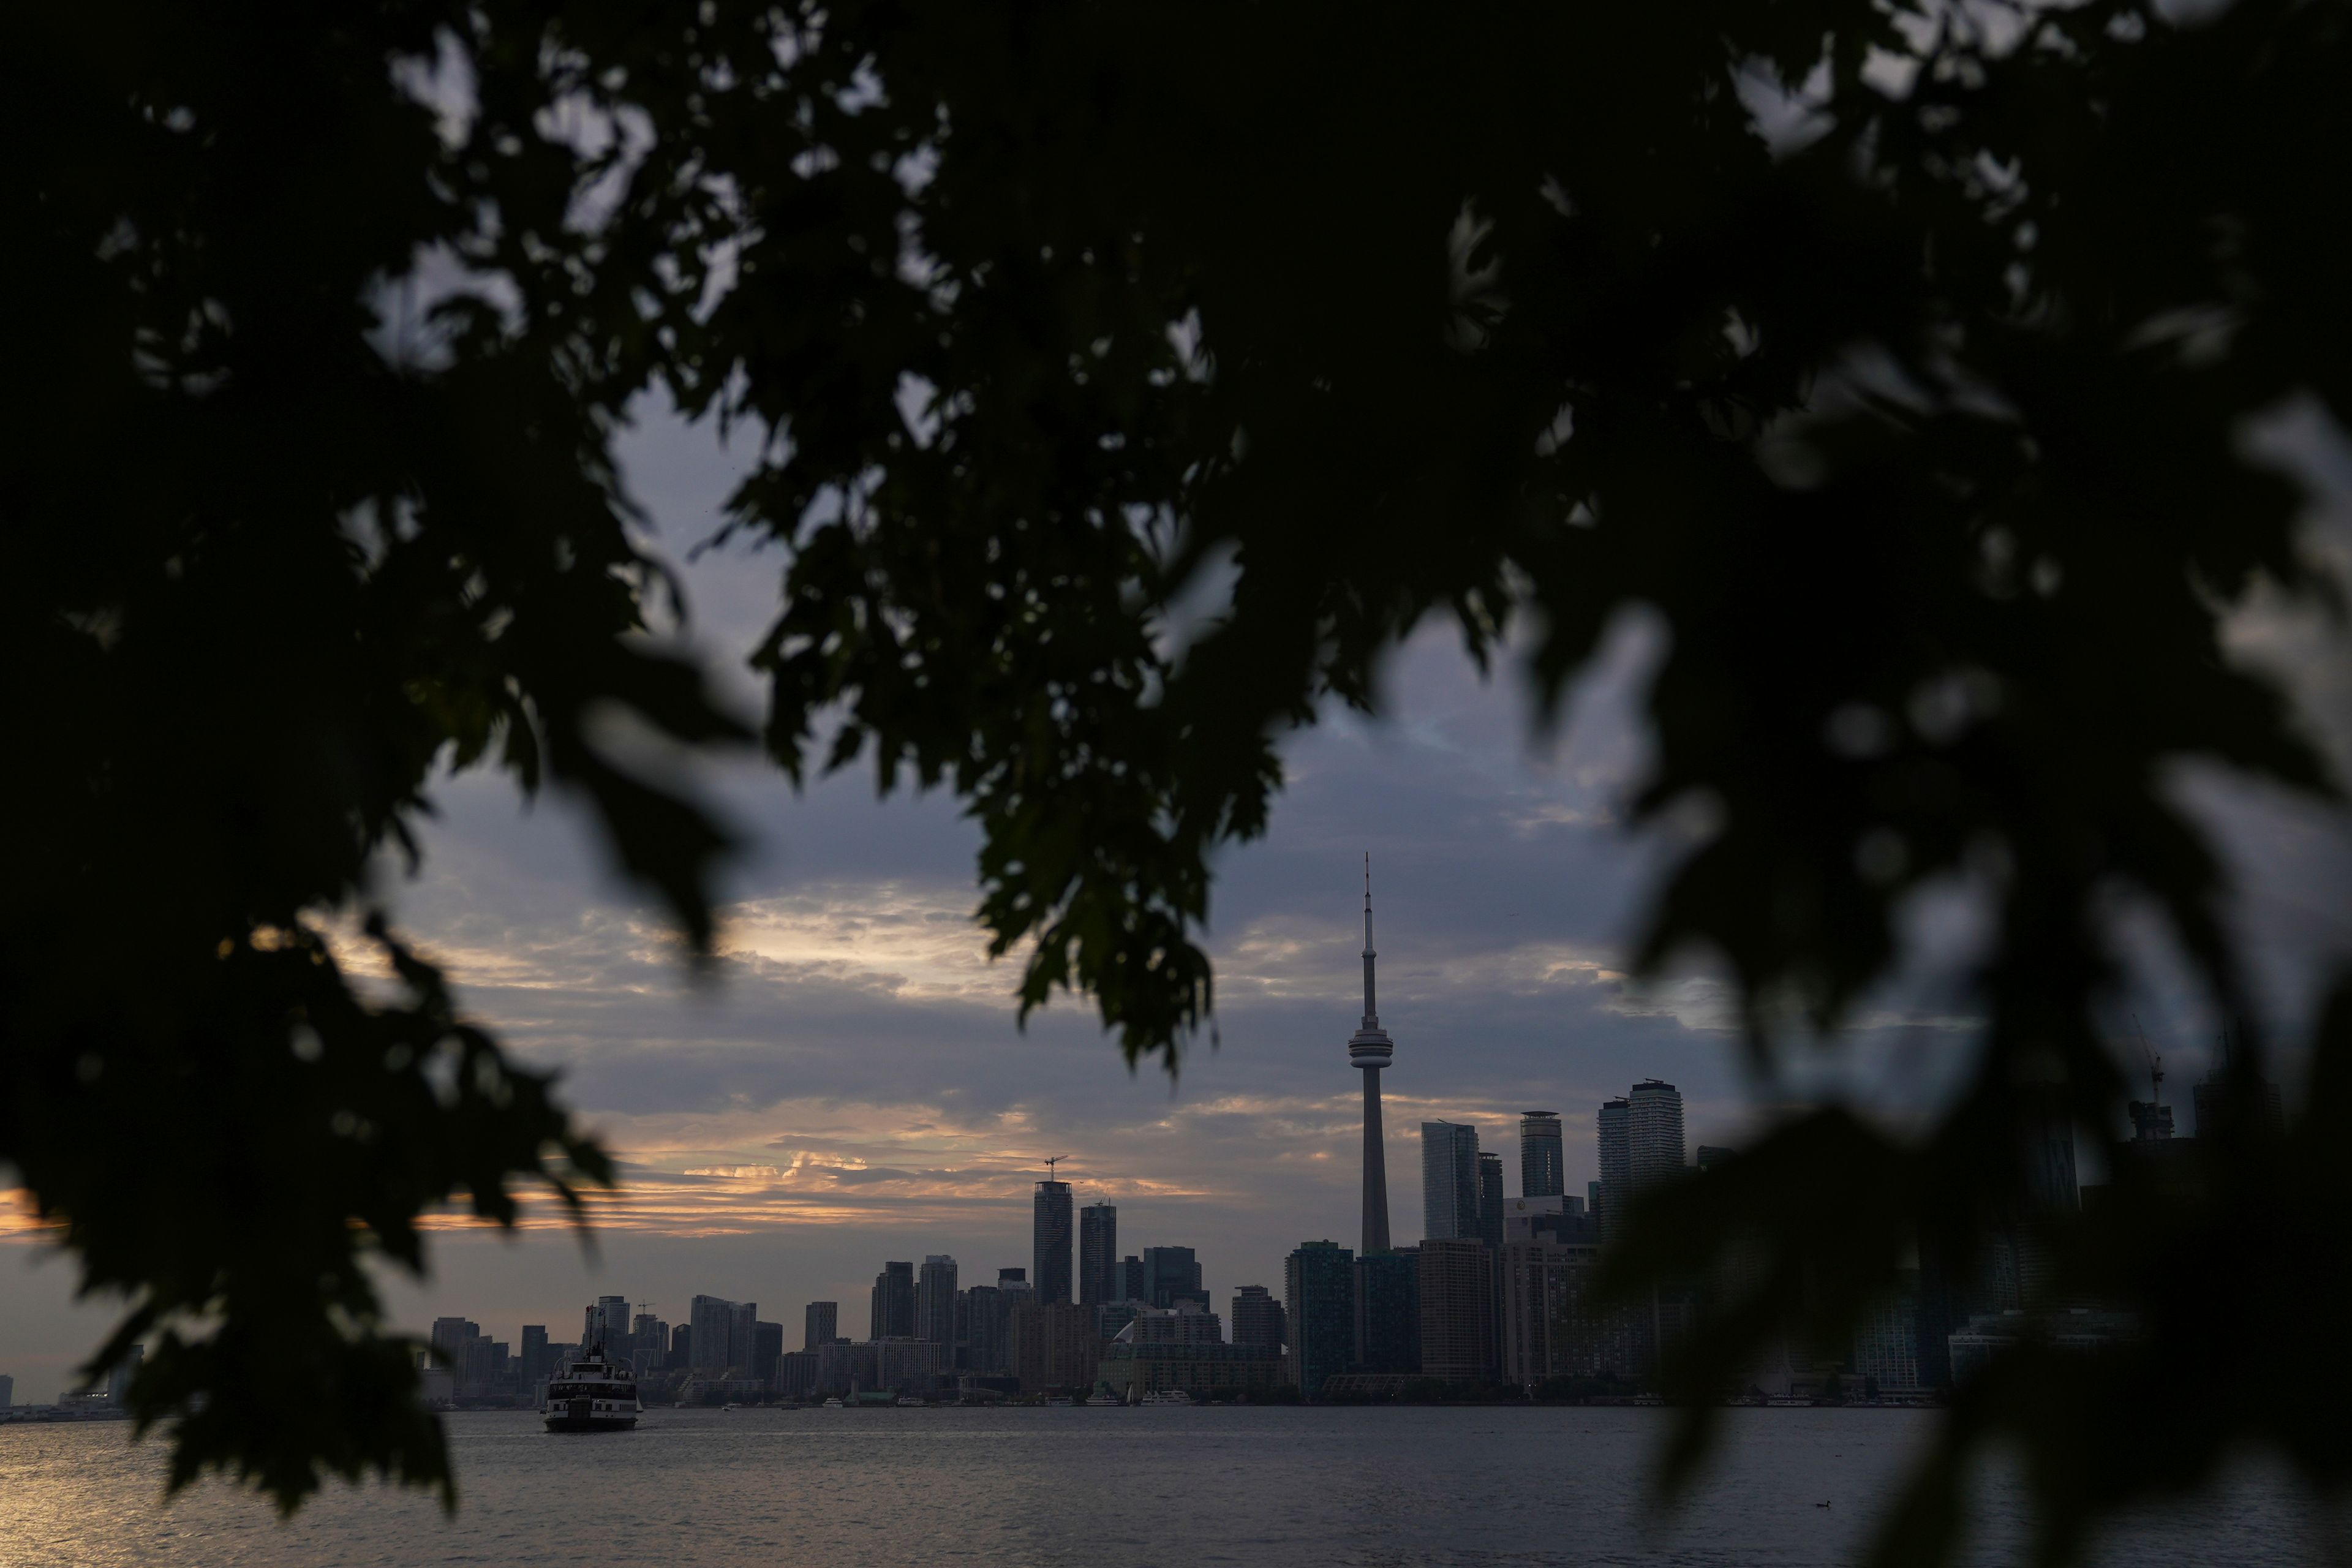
1369,1049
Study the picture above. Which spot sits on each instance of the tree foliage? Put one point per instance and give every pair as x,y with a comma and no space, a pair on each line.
1900,359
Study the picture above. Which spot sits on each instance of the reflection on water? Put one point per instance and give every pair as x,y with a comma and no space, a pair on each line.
1098,1487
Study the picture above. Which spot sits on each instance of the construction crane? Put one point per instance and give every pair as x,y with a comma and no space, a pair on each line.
1051,1161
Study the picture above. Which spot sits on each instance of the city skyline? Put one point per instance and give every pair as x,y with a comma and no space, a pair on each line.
849,1080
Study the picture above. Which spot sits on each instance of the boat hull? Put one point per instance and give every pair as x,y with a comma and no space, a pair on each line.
601,1422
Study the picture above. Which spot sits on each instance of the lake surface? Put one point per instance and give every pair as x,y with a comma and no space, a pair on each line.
1099,1488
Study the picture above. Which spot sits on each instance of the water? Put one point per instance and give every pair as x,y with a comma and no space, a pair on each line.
1098,1488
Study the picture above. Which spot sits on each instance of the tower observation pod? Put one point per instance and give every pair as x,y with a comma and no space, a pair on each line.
1370,1048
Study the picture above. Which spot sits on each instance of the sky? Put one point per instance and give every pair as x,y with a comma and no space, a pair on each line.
847,1085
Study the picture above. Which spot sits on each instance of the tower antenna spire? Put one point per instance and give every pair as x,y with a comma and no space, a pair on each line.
1370,1049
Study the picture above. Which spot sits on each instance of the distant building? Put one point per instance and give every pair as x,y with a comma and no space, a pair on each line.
1188,1323
2215,1098
1131,1369
1616,1182
1887,1340
720,1341
907,1366
820,1324
681,1347
1561,1219
1458,1309
1171,1273
843,1368
1098,1279
2150,1122
1709,1156
1542,1171
1656,1149
935,1306
796,1373
7,1393
892,1313
1257,1317
1546,1285
118,1380
1319,1291
606,1327
535,1363
767,1349
1388,1312
1988,1334
982,1332
1053,1345
1490,1201
1050,1241
450,1339
1449,1179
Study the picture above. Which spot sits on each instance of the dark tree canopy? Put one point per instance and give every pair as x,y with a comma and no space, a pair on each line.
1919,422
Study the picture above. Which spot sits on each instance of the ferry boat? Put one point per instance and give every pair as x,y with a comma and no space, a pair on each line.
1168,1396
591,1395
832,1405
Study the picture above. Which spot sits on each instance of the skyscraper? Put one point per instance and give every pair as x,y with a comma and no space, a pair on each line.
1616,1166
767,1350
1655,1151
1449,1179
935,1294
1458,1309
821,1323
1050,1242
1542,1173
1370,1049
1320,1287
535,1360
1490,1202
1257,1317
720,1338
893,1315
984,1309
1098,1279
1132,1285
1388,1312
1171,1273
607,1329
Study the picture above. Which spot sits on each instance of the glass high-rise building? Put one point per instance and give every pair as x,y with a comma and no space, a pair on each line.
984,1309
719,1339
1171,1273
1050,1242
820,1324
934,1297
1654,1147
1388,1312
1543,1172
1098,1279
1319,1307
1132,1286
1616,1164
1490,1202
893,1313
1449,1179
